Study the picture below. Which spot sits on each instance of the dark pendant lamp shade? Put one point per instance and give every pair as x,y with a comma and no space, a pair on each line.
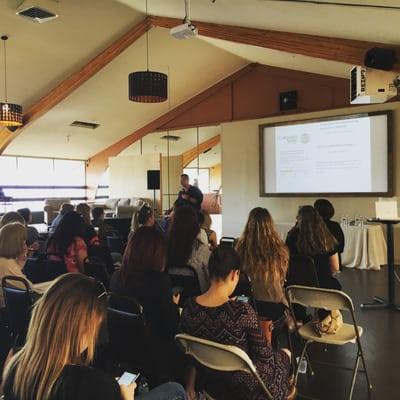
148,87
10,114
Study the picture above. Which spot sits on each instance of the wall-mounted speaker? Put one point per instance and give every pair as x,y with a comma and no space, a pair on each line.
379,58
153,179
288,100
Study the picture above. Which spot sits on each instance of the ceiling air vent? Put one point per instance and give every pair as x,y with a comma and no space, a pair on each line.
171,138
83,124
39,11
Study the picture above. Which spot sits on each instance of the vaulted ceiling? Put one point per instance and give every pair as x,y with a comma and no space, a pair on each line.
40,56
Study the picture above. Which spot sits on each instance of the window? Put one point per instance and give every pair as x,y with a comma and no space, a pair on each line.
31,180
200,179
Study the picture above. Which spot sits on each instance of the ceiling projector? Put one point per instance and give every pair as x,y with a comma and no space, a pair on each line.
184,31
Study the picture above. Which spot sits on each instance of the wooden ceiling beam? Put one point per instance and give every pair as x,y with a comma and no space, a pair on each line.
333,49
78,78
191,154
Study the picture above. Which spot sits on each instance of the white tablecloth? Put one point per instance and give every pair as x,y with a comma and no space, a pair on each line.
365,246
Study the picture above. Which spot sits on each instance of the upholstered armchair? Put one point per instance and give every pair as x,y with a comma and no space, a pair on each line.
52,207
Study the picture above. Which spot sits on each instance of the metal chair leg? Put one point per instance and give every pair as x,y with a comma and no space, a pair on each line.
309,364
298,364
364,365
353,380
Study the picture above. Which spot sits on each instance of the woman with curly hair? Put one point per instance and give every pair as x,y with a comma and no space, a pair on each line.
264,256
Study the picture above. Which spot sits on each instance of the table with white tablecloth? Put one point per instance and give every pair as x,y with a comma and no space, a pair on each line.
365,246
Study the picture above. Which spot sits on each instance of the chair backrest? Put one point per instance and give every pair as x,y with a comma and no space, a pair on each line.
326,299
228,241
101,252
126,326
219,357
44,269
19,301
96,269
302,272
115,244
185,277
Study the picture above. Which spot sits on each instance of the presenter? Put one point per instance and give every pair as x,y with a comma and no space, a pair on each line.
189,195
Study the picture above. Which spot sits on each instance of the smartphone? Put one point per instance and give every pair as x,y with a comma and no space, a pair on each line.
242,299
177,290
127,378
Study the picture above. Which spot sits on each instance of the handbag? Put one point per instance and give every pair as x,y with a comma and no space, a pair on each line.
331,324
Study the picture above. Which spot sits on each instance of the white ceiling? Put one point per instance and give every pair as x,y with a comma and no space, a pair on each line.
41,56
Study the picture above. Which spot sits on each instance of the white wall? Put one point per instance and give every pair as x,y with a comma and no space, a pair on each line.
240,173
128,175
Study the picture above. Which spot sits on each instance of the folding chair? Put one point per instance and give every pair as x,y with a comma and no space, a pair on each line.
44,269
96,269
220,357
18,299
186,278
328,299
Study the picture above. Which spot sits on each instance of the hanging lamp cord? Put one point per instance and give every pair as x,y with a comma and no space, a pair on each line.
4,38
147,40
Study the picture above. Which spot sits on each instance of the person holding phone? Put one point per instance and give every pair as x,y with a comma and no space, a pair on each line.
55,361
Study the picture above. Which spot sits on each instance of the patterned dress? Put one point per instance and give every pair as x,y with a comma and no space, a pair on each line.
236,323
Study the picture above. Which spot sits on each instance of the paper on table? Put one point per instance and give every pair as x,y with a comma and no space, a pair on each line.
386,210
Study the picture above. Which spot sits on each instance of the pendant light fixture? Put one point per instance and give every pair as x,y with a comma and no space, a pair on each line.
148,86
10,114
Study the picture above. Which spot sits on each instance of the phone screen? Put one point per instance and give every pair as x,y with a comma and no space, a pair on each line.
127,378
242,299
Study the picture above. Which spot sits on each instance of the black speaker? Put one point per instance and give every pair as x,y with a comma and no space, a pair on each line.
153,179
379,58
288,100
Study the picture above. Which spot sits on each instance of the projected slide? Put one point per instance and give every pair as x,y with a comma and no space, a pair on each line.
331,156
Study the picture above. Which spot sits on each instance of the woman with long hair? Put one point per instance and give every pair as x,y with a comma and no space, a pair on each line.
311,237
216,316
264,256
206,225
55,361
89,234
67,241
184,247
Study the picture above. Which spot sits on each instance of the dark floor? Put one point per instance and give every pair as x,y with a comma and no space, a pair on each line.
380,340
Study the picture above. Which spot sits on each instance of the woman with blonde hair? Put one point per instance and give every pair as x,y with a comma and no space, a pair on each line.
11,216
13,253
54,362
264,255
206,225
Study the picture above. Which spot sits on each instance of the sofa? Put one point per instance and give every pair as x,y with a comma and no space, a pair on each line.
52,207
123,207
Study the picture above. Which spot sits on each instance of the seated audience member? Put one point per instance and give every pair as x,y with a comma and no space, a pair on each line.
214,316
13,253
264,257
143,217
65,208
67,241
311,237
143,277
326,211
55,361
184,247
33,234
89,234
11,216
98,222
206,225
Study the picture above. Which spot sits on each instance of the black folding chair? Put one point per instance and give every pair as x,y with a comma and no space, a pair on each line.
131,343
186,278
95,268
302,272
18,299
115,243
102,253
43,269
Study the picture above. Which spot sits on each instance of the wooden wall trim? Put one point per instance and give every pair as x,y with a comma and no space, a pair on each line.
334,49
191,154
